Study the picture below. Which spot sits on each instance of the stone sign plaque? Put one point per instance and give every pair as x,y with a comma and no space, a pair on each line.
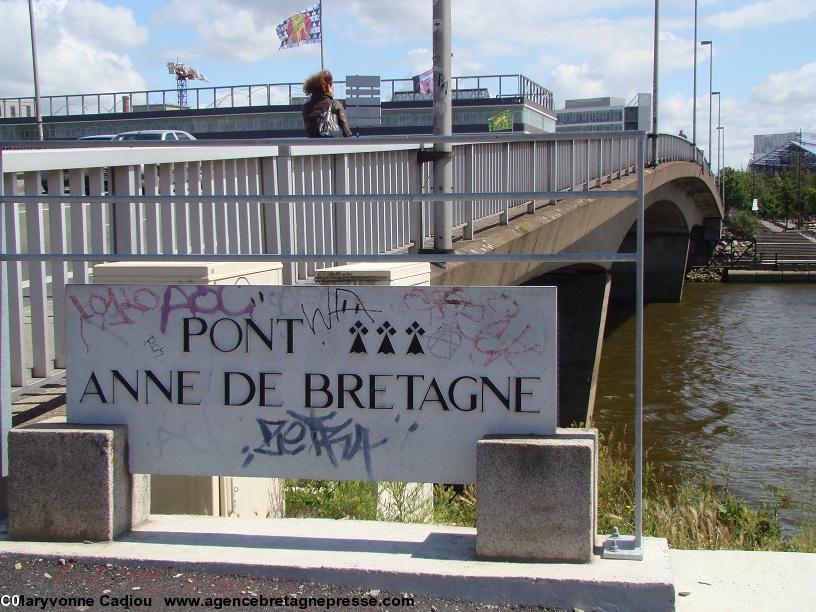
345,383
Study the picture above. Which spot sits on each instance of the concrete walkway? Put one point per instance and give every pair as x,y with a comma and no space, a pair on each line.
428,559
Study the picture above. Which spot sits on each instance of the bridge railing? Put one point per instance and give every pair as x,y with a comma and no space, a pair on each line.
106,201
259,94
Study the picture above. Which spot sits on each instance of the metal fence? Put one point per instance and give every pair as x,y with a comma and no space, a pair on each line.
253,198
307,205
262,94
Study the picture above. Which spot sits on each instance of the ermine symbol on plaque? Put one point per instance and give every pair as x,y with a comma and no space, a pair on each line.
415,331
386,330
358,330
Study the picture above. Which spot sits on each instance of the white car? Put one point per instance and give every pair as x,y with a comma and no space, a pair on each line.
98,137
165,135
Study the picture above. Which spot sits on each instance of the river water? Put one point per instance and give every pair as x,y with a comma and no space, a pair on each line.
729,386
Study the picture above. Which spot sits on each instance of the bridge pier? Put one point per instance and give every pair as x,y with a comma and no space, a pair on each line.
583,297
664,269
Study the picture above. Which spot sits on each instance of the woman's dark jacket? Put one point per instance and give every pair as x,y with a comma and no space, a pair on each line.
315,107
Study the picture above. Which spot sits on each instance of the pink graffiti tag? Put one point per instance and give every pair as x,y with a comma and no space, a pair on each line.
200,299
494,327
107,309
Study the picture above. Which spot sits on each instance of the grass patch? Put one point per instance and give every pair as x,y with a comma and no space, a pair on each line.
691,513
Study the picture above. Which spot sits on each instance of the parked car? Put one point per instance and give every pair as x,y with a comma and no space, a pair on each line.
98,137
172,135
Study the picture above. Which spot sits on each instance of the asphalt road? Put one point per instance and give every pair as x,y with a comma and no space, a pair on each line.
49,584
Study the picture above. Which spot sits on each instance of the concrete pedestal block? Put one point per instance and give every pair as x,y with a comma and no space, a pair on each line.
536,498
71,483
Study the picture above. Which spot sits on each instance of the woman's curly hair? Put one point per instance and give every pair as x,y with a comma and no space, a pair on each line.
318,84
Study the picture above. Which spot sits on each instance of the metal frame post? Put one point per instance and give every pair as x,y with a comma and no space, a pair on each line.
286,214
618,546
5,351
468,230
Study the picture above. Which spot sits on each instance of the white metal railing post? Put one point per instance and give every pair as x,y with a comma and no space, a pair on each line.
182,226
194,177
98,212
270,241
417,208
208,208
58,237
167,209
124,213
19,350
504,216
233,231
221,210
152,219
533,175
5,348
573,186
38,301
342,212
286,214
553,167
468,188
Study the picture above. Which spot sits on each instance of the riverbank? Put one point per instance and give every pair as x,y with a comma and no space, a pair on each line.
727,391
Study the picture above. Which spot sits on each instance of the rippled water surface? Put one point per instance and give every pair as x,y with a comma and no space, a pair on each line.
729,385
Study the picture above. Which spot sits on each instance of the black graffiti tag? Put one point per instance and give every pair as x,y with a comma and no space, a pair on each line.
337,442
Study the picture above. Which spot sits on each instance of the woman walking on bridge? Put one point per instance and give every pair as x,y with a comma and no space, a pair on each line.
323,117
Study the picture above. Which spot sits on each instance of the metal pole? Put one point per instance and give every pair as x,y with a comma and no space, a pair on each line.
694,94
442,125
37,111
722,183
322,30
719,168
710,45
5,351
641,245
654,80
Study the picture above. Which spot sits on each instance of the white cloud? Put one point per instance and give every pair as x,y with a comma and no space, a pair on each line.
762,14
794,88
78,48
232,29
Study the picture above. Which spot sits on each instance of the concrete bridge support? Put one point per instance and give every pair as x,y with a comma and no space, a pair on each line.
666,258
583,296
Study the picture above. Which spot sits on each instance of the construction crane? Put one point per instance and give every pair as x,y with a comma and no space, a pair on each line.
183,74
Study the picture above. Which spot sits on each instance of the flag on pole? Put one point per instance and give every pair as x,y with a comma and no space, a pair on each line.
301,28
501,122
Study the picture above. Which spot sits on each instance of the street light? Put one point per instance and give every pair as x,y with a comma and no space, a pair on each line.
694,95
37,111
719,123
722,182
654,80
710,45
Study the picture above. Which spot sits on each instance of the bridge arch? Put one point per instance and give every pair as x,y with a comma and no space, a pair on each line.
683,216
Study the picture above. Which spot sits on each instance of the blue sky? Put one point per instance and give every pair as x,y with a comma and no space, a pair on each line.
764,59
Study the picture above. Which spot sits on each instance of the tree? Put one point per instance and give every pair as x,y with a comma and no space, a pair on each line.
737,189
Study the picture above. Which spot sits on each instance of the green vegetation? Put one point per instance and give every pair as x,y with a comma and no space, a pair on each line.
743,224
693,514
782,196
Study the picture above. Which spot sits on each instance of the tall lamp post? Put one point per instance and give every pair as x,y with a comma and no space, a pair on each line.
654,81
719,123
37,111
710,46
694,95
721,128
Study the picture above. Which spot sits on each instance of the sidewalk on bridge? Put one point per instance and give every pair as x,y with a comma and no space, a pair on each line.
429,559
